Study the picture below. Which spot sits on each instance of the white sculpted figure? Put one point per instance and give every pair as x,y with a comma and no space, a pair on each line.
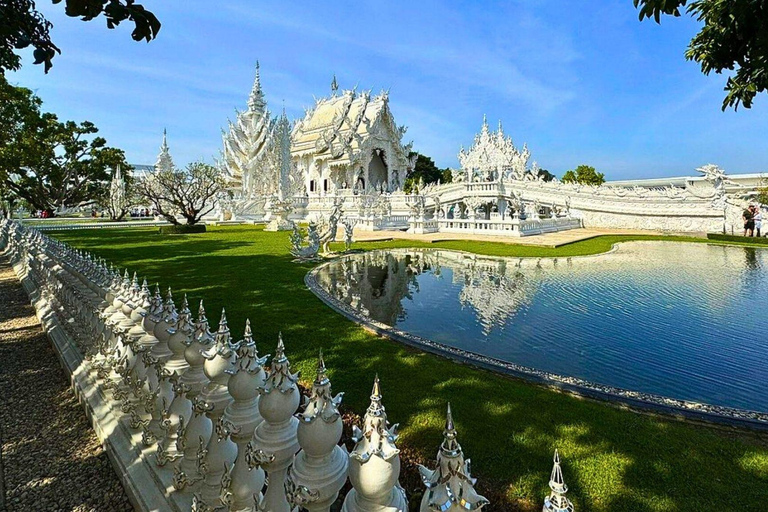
302,251
331,227
349,226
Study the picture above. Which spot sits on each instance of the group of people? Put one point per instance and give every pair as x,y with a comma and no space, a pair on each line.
753,221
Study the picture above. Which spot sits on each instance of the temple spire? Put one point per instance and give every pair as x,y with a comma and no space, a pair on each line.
334,85
256,101
164,161
556,501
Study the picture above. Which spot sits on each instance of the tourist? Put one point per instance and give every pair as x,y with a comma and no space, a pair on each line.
758,217
749,221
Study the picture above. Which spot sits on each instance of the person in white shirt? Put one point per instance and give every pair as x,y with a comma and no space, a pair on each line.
758,221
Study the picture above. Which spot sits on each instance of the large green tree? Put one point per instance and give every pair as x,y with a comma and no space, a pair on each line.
585,175
427,172
48,163
734,38
23,26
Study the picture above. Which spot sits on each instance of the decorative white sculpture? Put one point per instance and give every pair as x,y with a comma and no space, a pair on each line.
215,397
275,442
320,468
349,227
117,197
330,228
247,378
374,466
450,487
305,251
556,501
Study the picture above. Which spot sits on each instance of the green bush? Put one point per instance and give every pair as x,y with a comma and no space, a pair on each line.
738,238
182,229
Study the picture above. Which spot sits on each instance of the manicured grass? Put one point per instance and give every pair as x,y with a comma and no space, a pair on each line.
614,460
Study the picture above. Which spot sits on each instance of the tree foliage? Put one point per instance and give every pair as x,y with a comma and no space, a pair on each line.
585,175
734,37
189,193
48,163
23,26
546,175
427,172
762,193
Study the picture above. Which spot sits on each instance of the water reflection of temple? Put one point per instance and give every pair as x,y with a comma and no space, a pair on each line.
375,284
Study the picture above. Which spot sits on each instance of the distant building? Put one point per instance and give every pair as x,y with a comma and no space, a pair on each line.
141,171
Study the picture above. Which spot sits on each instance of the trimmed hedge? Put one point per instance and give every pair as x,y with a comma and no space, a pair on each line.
737,238
182,229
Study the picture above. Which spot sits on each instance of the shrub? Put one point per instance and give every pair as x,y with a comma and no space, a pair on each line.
737,238
182,229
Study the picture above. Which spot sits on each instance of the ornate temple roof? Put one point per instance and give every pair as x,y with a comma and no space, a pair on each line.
494,152
338,127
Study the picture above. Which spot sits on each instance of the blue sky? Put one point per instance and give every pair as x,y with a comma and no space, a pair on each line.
580,81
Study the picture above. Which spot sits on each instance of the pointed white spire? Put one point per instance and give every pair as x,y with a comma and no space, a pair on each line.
556,501
256,101
164,160
450,487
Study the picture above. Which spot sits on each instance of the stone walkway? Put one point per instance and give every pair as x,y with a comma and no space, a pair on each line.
545,240
51,459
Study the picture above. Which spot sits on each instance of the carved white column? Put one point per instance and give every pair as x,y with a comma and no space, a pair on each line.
320,468
216,397
274,443
180,409
374,466
161,387
450,487
247,377
196,433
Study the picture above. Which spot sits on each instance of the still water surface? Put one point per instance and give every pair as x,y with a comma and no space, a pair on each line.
683,320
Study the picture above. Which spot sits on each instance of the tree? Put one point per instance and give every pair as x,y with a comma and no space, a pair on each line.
546,175
425,170
22,26
45,162
734,37
585,175
762,192
188,193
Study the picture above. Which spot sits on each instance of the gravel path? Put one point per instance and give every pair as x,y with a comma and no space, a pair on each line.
51,459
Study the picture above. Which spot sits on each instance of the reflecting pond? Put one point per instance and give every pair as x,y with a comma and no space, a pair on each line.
682,320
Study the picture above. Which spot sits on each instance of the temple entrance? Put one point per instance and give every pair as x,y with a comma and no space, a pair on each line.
377,171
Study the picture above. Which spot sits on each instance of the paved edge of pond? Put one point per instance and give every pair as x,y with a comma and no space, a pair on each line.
145,489
647,402
52,460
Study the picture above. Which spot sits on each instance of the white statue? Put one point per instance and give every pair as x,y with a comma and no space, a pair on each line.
349,226
302,251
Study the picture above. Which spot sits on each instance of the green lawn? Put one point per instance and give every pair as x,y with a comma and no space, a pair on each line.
614,460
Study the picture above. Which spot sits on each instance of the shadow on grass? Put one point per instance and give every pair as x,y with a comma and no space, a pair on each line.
613,459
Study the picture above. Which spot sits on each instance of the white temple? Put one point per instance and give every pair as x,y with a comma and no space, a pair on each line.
493,156
347,144
347,153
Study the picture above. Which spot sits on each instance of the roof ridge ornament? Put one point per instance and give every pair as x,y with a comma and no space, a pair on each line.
334,85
